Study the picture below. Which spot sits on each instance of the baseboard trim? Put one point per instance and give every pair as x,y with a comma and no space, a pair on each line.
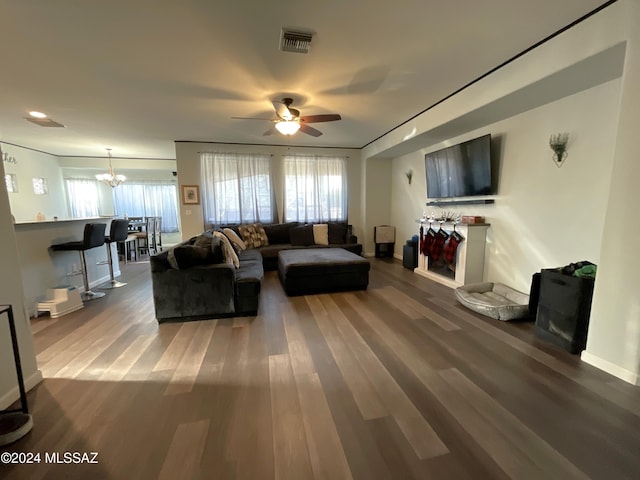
14,394
611,368
101,281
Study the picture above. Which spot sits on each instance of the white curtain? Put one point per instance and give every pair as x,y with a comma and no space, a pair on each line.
315,188
82,196
148,200
128,200
237,188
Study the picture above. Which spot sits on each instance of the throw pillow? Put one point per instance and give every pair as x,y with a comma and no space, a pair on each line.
171,258
203,240
337,232
228,253
321,234
279,232
216,250
302,236
187,256
253,235
236,241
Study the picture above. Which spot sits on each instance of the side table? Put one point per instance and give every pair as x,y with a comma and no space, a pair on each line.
16,423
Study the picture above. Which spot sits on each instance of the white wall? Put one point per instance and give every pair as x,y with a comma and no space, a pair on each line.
614,330
544,216
25,204
377,207
188,163
11,293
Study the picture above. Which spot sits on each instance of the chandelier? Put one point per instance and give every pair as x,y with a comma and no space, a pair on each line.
110,178
288,127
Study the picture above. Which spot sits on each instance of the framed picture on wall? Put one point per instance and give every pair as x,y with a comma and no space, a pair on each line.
190,195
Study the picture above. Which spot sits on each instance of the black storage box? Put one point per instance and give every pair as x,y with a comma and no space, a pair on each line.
564,306
410,254
534,294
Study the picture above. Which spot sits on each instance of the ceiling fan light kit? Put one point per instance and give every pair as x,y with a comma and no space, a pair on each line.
288,127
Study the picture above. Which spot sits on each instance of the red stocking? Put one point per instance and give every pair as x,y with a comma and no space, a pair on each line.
438,244
451,247
429,238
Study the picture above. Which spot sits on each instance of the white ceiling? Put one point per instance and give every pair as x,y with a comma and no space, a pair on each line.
137,75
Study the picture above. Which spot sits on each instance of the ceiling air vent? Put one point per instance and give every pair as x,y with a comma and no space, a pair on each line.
295,41
44,122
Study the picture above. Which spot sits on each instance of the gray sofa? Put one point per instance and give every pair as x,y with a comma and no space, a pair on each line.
209,290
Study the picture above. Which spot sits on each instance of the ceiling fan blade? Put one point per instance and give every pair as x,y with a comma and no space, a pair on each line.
271,131
310,130
282,110
253,118
330,117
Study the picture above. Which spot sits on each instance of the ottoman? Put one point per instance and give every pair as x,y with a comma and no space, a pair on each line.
316,270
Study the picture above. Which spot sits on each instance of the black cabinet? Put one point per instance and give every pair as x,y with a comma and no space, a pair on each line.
384,237
564,306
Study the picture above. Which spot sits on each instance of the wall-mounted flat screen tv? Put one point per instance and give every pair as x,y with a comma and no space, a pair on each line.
462,170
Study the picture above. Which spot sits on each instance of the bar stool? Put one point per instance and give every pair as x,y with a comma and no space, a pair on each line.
118,232
93,237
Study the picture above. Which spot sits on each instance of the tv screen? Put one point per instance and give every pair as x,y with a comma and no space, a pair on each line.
462,170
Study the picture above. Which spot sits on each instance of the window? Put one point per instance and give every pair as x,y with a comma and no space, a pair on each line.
40,186
82,195
315,188
237,188
151,199
11,181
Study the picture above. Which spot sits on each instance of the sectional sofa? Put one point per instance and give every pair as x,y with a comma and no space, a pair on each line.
190,281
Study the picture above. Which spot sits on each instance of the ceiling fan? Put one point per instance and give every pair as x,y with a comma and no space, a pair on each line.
289,121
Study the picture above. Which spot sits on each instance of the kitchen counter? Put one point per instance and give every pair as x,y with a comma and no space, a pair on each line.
43,268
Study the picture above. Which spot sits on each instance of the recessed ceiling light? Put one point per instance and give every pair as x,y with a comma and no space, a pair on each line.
37,114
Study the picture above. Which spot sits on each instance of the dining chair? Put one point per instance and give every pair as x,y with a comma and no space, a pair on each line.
135,224
158,234
147,236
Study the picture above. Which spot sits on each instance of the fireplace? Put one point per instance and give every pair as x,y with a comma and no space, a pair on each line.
440,267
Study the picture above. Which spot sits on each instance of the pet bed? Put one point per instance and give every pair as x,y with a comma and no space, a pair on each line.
494,300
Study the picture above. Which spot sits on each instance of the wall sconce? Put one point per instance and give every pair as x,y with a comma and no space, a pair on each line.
409,175
558,144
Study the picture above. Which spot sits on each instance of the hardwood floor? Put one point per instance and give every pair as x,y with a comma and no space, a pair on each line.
398,381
